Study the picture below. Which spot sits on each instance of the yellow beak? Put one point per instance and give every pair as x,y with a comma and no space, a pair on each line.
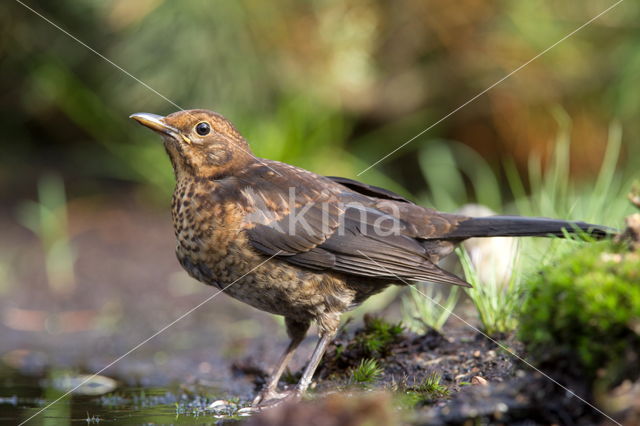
155,122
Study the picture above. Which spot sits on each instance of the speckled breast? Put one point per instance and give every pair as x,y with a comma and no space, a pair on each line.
214,249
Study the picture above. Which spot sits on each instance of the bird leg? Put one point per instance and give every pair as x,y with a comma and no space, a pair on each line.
296,331
325,338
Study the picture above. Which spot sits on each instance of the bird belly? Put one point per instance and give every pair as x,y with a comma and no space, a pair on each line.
272,285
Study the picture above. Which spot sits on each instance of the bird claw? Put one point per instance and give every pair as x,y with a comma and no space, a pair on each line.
271,398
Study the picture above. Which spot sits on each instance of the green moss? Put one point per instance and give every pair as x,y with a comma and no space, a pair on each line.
374,341
377,336
586,309
429,390
367,371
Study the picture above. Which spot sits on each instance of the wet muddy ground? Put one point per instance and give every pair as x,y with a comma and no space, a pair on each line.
128,285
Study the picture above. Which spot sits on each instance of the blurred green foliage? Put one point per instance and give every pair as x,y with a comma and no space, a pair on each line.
426,307
497,303
328,85
48,220
585,309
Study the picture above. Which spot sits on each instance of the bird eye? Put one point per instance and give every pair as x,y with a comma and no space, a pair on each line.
203,128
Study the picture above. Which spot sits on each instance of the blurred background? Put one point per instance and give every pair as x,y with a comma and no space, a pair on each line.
87,268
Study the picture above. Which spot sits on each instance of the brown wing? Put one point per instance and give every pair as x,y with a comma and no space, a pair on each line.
422,223
368,190
325,227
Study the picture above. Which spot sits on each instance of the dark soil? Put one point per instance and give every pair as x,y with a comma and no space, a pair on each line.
512,394
457,356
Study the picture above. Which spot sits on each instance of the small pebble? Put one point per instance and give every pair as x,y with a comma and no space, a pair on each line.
247,411
219,405
478,380
85,384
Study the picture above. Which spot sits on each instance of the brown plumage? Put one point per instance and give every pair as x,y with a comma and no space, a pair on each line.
328,242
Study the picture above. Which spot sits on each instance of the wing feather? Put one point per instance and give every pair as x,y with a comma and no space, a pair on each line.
329,228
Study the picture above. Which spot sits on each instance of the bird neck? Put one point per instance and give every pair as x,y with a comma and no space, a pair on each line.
214,164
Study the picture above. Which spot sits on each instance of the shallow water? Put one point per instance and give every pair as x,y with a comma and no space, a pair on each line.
22,397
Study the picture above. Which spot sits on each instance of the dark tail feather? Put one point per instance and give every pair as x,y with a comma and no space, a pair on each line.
517,226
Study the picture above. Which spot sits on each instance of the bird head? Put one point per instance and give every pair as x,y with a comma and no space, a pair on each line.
200,143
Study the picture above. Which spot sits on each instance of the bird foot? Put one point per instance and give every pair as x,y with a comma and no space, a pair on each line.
271,398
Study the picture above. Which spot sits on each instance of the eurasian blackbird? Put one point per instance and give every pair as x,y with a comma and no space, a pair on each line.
304,246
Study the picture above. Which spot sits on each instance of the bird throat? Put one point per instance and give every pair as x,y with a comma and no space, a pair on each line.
216,162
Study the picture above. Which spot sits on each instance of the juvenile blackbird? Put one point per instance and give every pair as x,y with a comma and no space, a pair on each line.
304,246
